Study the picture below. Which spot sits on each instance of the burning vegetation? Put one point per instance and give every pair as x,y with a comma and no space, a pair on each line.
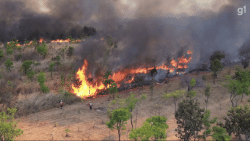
88,88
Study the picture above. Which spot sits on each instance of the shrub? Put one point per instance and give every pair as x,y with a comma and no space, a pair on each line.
41,78
1,54
70,51
9,64
248,100
44,88
8,125
27,66
9,50
31,74
43,50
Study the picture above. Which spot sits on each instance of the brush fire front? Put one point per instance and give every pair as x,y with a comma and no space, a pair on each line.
126,78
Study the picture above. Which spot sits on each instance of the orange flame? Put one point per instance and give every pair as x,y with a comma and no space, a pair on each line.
86,89
40,40
60,41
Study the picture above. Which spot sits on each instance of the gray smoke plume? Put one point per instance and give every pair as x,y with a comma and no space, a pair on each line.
145,35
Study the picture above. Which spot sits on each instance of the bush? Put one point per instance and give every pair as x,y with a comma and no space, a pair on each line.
1,54
44,89
8,125
9,64
27,66
70,51
43,50
31,74
41,78
9,50
248,100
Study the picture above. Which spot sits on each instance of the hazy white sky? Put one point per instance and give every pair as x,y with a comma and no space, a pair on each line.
189,7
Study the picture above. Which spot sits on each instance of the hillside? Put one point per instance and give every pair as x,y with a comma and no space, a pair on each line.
89,125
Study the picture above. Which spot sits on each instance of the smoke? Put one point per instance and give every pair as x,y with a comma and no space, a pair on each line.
147,32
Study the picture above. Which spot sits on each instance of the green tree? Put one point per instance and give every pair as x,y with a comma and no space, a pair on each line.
243,76
27,66
9,50
154,127
190,92
219,134
42,50
237,86
189,118
51,67
131,102
215,63
207,124
8,126
8,64
175,95
207,94
31,74
118,120
1,54
70,51
41,79
113,89
237,120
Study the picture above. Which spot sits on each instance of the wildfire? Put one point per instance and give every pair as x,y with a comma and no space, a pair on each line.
86,89
40,40
60,41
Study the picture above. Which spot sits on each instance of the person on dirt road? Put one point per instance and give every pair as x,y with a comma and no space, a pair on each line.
90,106
61,103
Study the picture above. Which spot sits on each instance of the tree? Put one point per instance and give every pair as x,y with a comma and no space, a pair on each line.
190,92
1,54
245,63
31,74
8,126
42,50
219,134
244,78
175,95
118,120
237,120
207,124
215,63
238,85
9,50
154,127
51,67
70,51
113,89
207,94
189,118
27,66
131,102
8,64
41,79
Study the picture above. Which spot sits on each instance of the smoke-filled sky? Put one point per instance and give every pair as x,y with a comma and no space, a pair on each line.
151,29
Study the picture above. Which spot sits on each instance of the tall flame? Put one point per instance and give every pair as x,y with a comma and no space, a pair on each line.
86,89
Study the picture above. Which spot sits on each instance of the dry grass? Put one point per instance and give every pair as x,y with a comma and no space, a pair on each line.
42,110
